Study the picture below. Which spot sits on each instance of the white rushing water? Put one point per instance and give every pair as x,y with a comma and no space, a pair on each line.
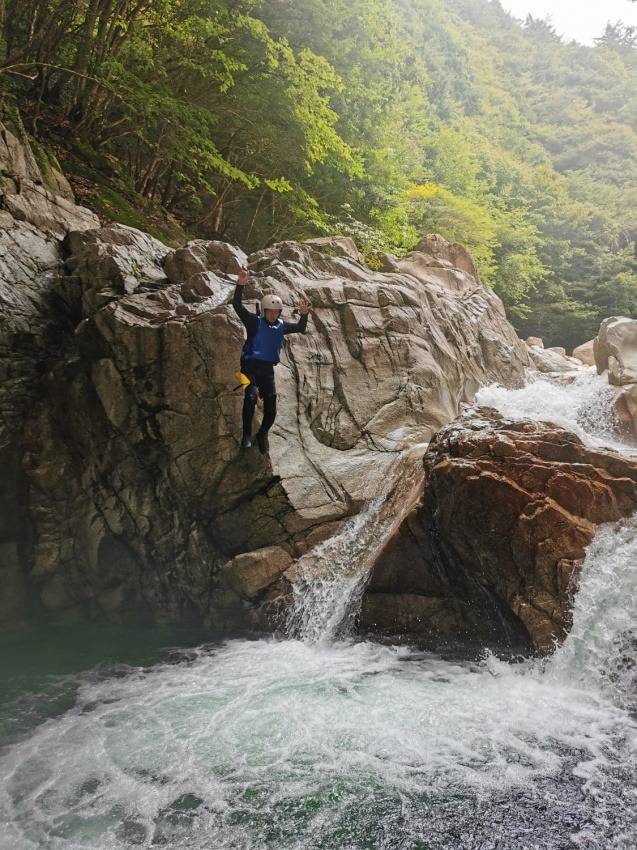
323,744
330,580
325,589
582,406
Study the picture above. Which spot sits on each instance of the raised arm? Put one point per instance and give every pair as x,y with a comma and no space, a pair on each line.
250,320
301,326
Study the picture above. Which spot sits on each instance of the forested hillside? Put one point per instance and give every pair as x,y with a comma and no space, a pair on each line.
260,120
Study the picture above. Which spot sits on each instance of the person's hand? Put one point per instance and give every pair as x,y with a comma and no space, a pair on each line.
244,276
303,307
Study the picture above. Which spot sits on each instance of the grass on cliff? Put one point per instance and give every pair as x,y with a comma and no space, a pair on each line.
99,185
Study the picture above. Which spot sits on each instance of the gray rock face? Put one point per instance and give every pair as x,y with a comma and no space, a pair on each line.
110,262
122,422
25,196
32,332
145,497
552,360
337,246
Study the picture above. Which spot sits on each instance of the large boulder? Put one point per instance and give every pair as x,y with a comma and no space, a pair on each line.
200,257
585,353
253,572
615,349
139,495
551,360
535,341
108,262
435,260
495,548
615,352
26,193
337,246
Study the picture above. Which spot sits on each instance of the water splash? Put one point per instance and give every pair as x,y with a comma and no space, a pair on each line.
600,656
285,745
328,582
600,651
583,406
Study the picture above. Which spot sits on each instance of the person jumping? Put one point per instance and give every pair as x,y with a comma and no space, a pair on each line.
260,355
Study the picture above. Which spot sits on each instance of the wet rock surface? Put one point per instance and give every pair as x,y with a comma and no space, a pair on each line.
496,545
33,219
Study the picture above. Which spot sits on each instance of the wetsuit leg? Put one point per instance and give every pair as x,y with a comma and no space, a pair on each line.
269,413
249,403
261,383
267,391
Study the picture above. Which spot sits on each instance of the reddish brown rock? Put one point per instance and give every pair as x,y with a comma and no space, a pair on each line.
507,513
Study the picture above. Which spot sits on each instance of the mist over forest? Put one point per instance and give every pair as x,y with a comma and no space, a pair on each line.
257,121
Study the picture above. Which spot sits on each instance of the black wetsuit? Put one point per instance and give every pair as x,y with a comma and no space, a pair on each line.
260,372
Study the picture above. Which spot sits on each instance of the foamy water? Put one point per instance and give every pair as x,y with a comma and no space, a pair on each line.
582,406
269,744
326,586
329,581
323,743
600,652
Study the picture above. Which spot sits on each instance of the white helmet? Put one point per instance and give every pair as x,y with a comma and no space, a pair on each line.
272,302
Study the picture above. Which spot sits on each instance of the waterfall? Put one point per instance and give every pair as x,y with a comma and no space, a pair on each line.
328,582
600,651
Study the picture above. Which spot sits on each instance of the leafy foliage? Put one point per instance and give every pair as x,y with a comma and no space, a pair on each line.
258,120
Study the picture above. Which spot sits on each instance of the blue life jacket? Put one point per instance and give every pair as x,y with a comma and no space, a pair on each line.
267,342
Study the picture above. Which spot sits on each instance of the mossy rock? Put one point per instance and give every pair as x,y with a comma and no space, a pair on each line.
51,170
78,171
9,113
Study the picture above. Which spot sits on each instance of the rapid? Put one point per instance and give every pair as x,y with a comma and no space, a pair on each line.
324,740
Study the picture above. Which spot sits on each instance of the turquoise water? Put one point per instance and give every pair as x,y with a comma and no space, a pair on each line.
283,745
41,668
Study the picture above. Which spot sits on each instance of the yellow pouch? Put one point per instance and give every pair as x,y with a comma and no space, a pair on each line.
244,381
